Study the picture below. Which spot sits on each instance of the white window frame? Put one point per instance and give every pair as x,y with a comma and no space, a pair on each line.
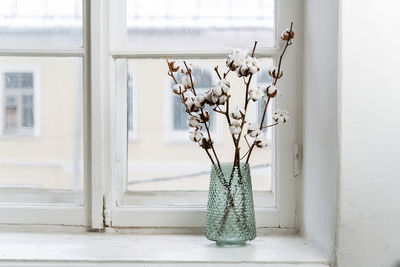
31,206
22,68
104,153
280,213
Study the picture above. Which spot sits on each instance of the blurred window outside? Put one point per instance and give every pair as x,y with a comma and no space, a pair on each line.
18,109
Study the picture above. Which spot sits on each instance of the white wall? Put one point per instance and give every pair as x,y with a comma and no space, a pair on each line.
320,82
369,178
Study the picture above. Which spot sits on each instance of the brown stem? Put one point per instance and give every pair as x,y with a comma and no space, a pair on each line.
226,73
245,154
288,42
262,122
219,110
267,126
216,70
209,155
254,48
202,113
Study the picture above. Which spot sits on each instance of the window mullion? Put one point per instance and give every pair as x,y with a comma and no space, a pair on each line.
98,139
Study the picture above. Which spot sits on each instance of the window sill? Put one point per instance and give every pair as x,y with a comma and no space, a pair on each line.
94,249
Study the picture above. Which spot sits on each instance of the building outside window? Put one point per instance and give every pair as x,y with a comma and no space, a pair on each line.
18,97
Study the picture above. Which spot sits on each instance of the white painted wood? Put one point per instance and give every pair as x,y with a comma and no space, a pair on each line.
38,196
288,134
100,142
35,214
40,207
153,250
161,264
198,54
53,52
179,217
319,169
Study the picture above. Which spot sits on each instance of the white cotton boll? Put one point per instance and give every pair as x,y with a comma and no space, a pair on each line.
195,135
199,101
253,65
251,126
273,72
250,66
187,82
243,70
193,121
225,86
236,58
255,94
235,127
254,133
280,116
178,89
222,99
252,130
210,98
217,90
234,130
236,123
261,140
189,104
238,113
271,90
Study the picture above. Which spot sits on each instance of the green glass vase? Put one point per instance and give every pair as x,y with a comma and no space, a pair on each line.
230,209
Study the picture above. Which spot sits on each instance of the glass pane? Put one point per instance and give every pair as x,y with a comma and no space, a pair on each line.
10,120
163,158
199,24
27,111
41,23
43,124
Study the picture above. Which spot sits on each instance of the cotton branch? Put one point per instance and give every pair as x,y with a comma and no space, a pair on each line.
202,114
277,76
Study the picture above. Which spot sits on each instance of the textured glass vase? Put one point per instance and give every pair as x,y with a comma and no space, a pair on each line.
230,209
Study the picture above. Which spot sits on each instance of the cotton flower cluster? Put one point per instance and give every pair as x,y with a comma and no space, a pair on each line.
243,64
235,127
280,116
274,73
218,94
271,91
251,65
287,35
252,130
261,140
255,94
237,116
236,59
196,135
197,103
179,89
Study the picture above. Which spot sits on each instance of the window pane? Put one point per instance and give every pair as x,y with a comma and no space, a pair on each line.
199,24
163,158
40,23
10,120
27,111
43,123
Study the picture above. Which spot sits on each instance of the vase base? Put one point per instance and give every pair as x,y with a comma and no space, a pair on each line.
231,244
